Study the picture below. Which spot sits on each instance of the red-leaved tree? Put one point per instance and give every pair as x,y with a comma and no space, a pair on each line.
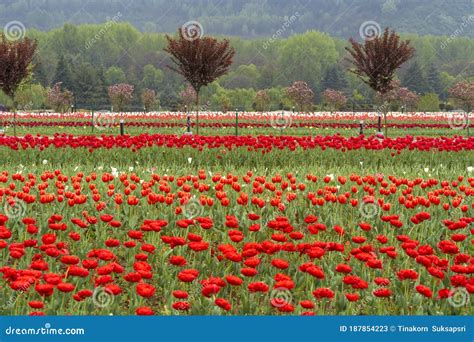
376,60
16,57
200,60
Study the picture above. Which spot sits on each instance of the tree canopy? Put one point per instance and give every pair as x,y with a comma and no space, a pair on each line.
86,66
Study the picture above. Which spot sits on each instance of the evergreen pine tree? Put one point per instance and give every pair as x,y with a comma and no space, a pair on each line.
169,98
64,73
434,82
415,80
267,76
334,78
90,92
40,75
102,95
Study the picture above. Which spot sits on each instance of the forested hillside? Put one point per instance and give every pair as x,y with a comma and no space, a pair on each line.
89,58
341,18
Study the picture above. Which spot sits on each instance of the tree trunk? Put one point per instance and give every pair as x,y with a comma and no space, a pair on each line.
188,120
197,113
15,104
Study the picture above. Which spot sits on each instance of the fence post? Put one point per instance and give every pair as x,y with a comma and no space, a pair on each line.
379,123
122,127
188,120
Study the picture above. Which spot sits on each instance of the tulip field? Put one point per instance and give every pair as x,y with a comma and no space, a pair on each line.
270,223
247,123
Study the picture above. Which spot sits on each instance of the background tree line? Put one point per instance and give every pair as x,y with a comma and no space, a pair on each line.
87,59
248,18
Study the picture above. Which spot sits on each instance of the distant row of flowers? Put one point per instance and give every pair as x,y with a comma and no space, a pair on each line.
223,124
204,115
250,143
